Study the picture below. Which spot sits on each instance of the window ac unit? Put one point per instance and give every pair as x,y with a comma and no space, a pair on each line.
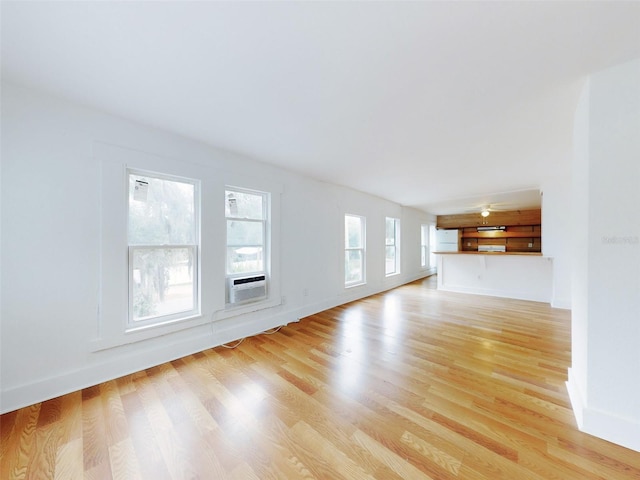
247,289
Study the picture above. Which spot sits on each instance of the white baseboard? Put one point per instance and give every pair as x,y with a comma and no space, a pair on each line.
575,396
490,292
95,373
601,424
563,303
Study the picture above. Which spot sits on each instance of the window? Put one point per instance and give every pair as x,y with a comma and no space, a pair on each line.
354,241
424,246
427,245
163,242
246,215
432,245
392,245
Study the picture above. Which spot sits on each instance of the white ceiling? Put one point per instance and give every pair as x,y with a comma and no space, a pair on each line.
437,105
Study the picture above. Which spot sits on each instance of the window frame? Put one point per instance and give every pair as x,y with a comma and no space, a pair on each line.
266,246
362,249
158,320
395,245
424,245
432,245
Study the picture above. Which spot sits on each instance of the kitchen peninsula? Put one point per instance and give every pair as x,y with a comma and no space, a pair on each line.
498,255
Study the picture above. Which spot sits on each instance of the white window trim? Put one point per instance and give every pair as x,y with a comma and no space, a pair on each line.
424,245
272,236
112,319
111,323
432,246
396,246
363,227
134,325
266,246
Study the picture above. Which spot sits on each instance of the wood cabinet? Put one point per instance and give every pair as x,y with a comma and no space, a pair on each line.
521,233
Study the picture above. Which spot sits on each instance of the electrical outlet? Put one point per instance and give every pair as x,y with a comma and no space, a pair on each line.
305,292
530,245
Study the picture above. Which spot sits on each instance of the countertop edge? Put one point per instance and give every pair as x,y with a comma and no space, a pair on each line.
528,254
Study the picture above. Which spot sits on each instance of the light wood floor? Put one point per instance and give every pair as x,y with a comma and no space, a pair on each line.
410,384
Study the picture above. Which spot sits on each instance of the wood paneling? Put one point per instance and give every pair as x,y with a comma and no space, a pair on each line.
409,384
496,219
470,244
492,241
523,245
534,230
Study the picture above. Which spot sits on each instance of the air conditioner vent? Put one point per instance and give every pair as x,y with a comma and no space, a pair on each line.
247,289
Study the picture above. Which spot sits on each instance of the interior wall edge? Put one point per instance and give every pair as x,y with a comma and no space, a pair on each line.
600,423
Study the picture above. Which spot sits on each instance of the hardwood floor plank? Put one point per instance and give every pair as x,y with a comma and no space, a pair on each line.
594,462
68,461
42,460
326,451
115,423
8,434
99,472
143,438
385,430
494,468
50,412
286,453
71,417
396,464
243,472
95,451
151,401
196,458
19,446
315,413
551,468
124,463
428,450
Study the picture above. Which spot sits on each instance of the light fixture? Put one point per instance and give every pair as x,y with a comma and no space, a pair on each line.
485,212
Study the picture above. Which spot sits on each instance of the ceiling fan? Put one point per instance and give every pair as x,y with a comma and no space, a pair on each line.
485,209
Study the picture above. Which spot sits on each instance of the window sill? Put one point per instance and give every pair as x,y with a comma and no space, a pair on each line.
147,332
132,328
233,311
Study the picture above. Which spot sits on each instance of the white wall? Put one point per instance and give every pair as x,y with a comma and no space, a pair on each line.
51,230
604,379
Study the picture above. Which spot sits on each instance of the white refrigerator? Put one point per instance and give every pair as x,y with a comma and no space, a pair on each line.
447,240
